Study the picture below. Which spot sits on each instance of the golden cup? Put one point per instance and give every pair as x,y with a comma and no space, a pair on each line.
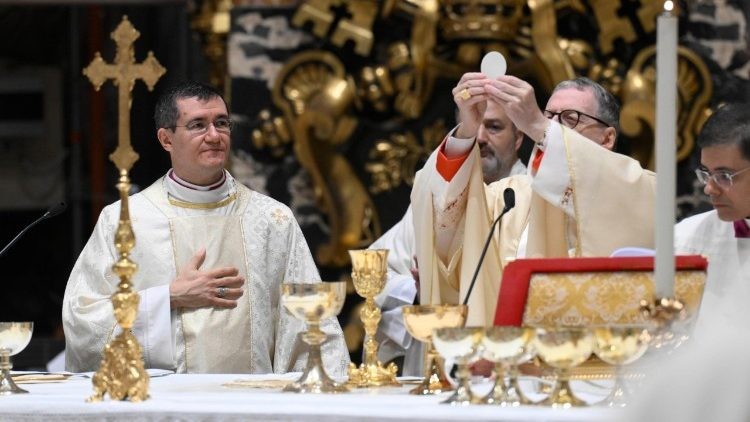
461,345
313,302
420,322
14,337
369,268
618,346
507,347
563,349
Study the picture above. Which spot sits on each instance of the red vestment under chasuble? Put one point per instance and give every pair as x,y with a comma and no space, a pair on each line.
583,200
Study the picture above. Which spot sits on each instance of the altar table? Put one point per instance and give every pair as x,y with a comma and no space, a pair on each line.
204,397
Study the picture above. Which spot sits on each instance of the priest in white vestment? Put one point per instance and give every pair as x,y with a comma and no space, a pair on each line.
578,199
708,380
499,141
722,235
211,257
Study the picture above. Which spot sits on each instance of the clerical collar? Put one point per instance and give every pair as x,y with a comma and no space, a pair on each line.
188,193
742,228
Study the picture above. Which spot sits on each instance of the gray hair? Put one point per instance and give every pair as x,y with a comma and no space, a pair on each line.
608,108
166,112
729,125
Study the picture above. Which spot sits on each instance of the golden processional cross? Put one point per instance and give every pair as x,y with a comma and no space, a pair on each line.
122,374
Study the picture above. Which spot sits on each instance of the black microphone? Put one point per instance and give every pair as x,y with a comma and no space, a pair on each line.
509,196
51,212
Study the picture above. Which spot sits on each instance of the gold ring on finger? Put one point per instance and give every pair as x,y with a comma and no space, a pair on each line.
465,94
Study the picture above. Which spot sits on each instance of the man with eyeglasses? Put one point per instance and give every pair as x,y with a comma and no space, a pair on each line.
723,235
578,199
211,256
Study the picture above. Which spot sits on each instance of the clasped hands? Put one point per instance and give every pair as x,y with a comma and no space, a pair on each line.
196,288
514,95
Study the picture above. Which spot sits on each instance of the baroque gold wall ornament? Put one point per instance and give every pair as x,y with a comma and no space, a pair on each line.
316,97
356,28
483,19
694,90
213,22
395,161
122,374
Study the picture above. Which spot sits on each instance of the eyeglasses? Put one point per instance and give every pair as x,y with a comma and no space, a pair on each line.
199,127
722,178
571,118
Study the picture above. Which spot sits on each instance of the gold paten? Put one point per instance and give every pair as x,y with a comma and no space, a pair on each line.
420,322
122,374
369,269
313,302
205,206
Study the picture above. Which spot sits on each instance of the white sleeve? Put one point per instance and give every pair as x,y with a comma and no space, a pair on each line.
153,327
552,179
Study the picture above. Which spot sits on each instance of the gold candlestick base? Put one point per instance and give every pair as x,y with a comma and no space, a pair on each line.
373,375
122,374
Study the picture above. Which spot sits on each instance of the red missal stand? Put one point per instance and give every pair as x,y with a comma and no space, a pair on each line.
517,276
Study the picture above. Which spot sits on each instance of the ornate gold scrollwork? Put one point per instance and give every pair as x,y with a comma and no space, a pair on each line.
357,28
315,95
639,102
544,36
213,22
394,161
272,134
497,20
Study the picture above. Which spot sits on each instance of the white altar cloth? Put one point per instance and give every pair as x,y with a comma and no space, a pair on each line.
202,397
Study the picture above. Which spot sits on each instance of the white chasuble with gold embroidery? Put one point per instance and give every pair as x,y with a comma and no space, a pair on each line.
239,228
583,201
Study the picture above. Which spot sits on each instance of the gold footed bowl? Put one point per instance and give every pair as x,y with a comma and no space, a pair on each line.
459,344
420,322
563,349
14,337
313,302
619,346
507,347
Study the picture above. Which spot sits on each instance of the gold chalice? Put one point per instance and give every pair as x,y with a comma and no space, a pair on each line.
618,346
420,321
459,344
369,267
14,337
507,347
563,349
313,302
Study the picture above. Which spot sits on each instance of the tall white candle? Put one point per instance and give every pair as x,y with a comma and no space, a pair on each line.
666,135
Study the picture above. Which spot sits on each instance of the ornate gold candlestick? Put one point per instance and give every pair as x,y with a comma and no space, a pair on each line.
121,374
368,276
